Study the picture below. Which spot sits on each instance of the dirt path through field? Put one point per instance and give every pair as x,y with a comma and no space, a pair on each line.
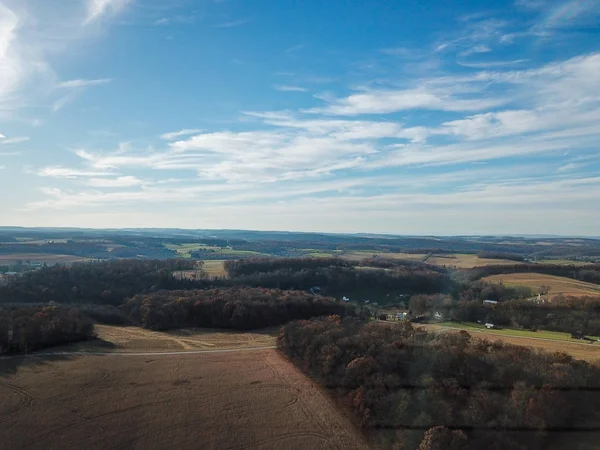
251,399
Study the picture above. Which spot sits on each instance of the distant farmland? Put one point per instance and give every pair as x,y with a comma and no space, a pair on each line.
558,285
41,258
459,260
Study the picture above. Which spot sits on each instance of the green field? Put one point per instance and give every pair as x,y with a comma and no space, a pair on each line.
541,334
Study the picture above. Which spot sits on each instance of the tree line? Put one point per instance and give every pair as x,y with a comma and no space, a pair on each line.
107,282
238,308
242,267
25,329
411,389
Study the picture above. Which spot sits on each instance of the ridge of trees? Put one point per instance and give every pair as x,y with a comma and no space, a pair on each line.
414,389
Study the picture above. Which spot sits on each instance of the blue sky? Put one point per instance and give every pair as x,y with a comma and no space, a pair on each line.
403,117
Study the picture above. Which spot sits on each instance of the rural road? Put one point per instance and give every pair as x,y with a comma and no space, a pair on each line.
188,352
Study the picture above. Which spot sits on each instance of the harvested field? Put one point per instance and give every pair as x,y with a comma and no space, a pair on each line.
41,258
234,400
577,349
558,285
467,261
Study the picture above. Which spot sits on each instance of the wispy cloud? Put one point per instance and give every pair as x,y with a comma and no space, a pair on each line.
295,48
566,14
119,182
75,88
475,49
80,83
233,23
99,8
15,140
491,64
389,101
288,88
66,172
175,134
569,167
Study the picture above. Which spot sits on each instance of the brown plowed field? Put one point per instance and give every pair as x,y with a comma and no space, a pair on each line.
235,400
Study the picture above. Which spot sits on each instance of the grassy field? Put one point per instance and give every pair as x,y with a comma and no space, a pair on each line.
540,334
558,285
41,258
233,400
215,268
564,262
543,340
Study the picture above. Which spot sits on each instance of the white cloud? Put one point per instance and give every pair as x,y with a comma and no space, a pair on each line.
65,172
287,88
566,14
79,83
475,49
569,167
15,140
119,182
175,134
64,100
389,101
98,8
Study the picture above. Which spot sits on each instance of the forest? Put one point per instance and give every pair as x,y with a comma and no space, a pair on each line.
411,389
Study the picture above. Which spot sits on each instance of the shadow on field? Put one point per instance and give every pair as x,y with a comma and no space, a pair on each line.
10,364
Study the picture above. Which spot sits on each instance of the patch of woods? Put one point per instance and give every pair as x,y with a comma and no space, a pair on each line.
588,273
237,308
501,255
337,277
25,329
412,389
